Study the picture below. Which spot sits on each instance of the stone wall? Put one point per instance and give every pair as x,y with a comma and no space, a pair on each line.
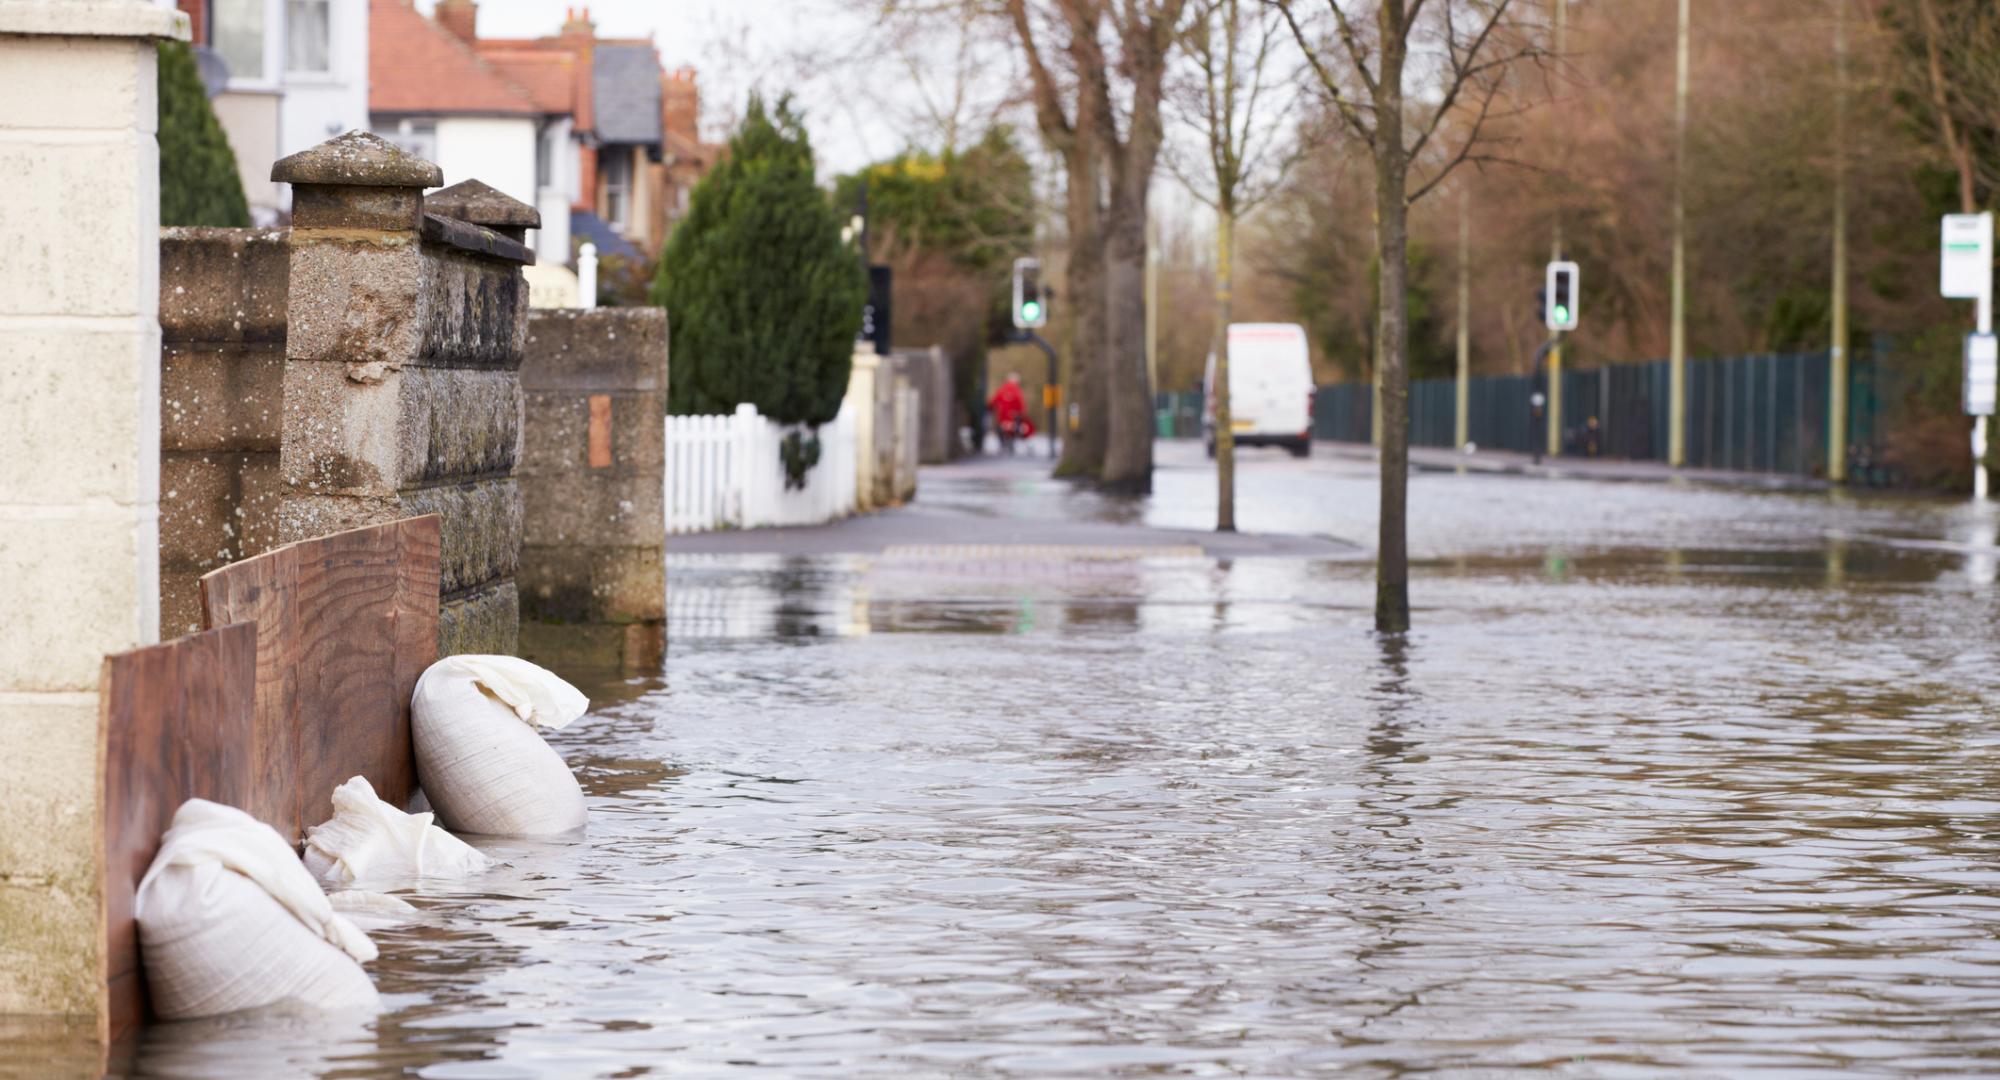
222,368
79,455
405,330
593,571
930,374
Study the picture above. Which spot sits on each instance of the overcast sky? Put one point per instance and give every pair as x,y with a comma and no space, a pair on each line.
806,46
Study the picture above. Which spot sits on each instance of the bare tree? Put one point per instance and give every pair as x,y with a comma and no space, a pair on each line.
1464,49
1145,32
1960,74
1070,117
1238,102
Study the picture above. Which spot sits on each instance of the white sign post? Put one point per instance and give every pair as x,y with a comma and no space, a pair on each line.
1982,375
1965,272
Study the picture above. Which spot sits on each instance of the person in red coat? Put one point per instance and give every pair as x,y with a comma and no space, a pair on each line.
1010,412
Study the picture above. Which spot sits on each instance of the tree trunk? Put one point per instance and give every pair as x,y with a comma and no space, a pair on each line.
1083,445
1128,453
1392,237
1225,437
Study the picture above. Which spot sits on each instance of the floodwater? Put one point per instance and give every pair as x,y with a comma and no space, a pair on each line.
1668,781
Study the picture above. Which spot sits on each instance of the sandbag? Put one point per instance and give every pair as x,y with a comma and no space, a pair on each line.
229,919
483,764
368,838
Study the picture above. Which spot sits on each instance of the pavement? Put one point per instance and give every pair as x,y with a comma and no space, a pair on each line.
1509,463
1014,502
1322,507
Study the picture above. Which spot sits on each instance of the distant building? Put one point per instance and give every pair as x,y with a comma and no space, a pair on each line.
285,75
588,129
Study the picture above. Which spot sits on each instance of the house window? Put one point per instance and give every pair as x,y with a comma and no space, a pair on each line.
417,137
617,188
237,29
307,37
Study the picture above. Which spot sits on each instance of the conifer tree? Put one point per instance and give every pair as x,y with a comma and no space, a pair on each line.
763,297
198,180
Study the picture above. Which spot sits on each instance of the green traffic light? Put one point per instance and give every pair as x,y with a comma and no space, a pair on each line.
1031,310
1562,314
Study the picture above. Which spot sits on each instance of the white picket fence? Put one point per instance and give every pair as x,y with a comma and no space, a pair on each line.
727,472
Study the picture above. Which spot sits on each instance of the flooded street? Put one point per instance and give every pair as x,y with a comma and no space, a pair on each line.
1668,781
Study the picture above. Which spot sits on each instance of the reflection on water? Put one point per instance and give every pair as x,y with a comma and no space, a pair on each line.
1612,810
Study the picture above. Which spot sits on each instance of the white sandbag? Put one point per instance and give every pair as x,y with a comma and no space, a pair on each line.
372,911
229,919
481,761
368,838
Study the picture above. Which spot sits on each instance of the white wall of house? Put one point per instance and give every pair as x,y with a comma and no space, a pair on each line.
498,151
311,56
320,104
558,168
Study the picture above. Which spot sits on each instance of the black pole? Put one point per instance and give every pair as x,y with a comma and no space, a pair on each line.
1050,389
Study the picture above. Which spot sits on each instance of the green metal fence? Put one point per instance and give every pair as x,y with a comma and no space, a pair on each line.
1178,414
1765,413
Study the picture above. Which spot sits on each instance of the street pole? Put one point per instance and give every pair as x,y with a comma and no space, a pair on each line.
1462,423
1677,341
1555,253
1979,422
1836,396
1051,390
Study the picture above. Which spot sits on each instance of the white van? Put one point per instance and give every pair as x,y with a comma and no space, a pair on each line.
1270,388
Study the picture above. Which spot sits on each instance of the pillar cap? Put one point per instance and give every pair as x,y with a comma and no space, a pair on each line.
92,18
482,204
357,159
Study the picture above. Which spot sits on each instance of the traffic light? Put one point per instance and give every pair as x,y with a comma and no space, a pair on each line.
1031,306
1559,297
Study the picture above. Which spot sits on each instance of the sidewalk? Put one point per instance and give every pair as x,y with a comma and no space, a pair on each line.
1509,463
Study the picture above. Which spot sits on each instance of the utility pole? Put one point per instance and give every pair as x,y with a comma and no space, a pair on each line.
1836,396
1462,423
1555,255
1677,342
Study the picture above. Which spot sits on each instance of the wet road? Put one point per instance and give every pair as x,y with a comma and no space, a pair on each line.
1668,781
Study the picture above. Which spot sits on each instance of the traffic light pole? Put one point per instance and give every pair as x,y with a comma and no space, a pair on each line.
1051,390
1555,394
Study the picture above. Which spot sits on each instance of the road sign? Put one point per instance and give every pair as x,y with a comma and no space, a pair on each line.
1982,373
1031,304
1965,256
1559,297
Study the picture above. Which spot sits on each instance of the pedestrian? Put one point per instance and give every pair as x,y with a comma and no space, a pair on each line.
1009,410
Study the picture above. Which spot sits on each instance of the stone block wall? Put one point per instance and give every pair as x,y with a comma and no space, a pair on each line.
222,366
405,329
593,571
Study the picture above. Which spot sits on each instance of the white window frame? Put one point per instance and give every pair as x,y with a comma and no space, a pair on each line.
274,49
330,74
406,129
617,213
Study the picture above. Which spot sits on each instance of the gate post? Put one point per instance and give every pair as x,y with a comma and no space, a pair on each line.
79,455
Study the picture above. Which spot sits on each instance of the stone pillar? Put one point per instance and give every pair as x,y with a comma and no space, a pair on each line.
79,454
402,355
593,561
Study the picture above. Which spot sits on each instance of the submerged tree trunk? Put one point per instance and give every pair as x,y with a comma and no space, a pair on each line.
1225,437
1392,238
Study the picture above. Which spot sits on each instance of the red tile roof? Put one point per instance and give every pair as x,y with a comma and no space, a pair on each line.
417,66
513,55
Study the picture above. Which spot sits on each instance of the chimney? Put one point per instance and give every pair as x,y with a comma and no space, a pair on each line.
680,104
461,17
576,23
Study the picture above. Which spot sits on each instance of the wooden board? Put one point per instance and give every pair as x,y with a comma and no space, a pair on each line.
345,625
174,723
